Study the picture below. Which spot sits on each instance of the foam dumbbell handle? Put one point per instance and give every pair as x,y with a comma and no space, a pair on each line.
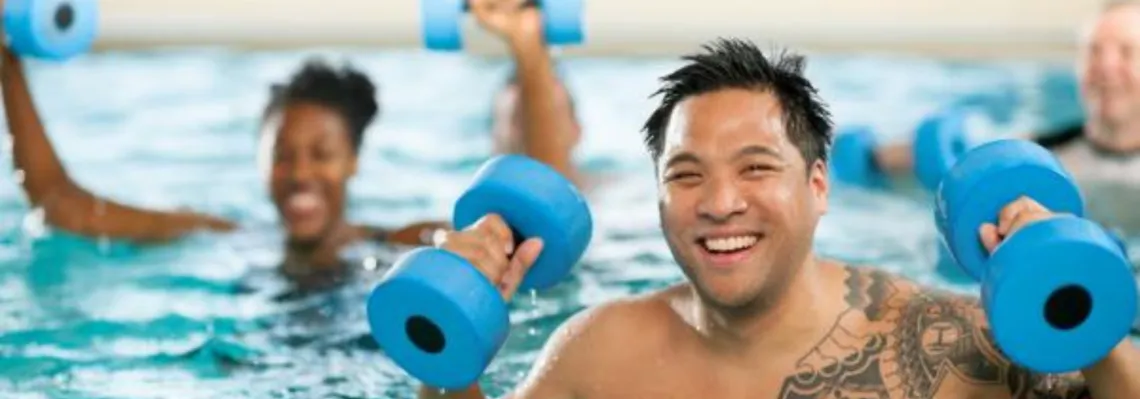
853,158
438,318
1059,295
939,140
535,201
51,29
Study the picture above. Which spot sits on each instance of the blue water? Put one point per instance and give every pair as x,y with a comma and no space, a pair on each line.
209,317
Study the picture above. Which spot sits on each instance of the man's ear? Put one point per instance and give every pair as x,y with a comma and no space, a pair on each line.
820,183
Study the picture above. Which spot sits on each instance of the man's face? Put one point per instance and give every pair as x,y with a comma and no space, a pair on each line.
739,206
1109,67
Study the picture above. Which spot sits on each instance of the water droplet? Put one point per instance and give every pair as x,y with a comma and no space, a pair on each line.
35,222
370,263
104,245
533,297
532,332
18,176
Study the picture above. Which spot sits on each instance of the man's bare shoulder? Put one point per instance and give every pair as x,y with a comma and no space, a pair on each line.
629,323
587,348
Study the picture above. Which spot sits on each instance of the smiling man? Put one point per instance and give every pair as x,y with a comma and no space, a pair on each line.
740,142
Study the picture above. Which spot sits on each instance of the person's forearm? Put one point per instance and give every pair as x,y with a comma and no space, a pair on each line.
1117,376
32,152
472,392
547,127
895,159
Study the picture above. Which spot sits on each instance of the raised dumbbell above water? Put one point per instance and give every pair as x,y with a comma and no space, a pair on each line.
561,22
50,29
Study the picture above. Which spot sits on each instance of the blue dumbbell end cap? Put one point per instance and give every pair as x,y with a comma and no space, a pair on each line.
562,21
853,158
988,178
1059,295
51,29
938,142
438,318
536,201
441,27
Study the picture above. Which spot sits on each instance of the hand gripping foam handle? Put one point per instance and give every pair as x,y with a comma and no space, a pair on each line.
438,318
535,201
1056,292
51,29
938,142
436,315
561,21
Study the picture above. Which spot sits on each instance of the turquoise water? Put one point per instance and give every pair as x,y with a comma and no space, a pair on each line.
209,317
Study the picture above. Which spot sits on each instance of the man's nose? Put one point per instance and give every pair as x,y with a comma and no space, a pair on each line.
721,200
1106,64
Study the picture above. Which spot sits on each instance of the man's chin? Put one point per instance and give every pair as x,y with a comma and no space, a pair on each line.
726,297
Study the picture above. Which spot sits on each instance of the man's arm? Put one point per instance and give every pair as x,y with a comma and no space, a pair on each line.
67,205
897,159
1117,376
548,122
549,127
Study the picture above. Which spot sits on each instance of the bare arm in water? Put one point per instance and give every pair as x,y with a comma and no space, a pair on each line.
67,205
549,128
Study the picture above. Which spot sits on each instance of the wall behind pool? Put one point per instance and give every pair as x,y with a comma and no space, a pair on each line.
957,28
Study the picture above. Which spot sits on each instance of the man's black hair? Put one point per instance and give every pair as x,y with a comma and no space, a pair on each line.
739,64
345,90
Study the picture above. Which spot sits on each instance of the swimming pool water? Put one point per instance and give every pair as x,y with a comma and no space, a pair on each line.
210,318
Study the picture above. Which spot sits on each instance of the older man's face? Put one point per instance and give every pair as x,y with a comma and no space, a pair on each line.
1109,67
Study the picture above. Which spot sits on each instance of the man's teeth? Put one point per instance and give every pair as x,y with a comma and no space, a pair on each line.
728,244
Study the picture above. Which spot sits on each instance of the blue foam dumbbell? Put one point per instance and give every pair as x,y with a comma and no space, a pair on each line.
50,29
1058,293
436,315
561,22
853,158
938,143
